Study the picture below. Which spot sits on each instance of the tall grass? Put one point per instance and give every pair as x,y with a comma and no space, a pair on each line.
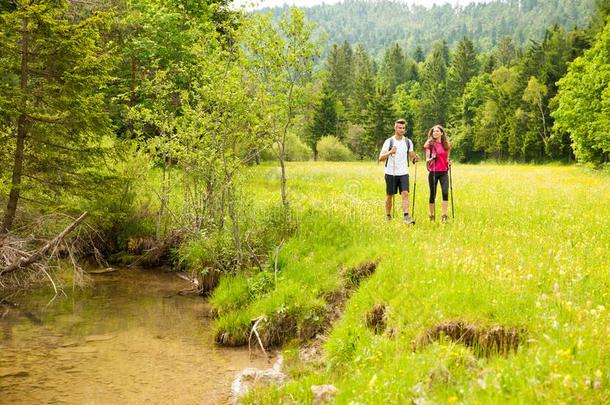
529,248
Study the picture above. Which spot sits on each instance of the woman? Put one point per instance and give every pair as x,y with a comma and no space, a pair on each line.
437,159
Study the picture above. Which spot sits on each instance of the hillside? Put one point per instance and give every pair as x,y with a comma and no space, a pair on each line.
378,24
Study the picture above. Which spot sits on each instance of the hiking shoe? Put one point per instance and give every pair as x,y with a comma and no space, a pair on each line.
432,218
444,219
388,218
408,220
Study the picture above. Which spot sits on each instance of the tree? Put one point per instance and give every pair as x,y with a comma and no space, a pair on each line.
282,60
464,67
394,68
380,123
584,102
433,108
539,131
325,120
505,52
364,85
418,55
340,72
54,117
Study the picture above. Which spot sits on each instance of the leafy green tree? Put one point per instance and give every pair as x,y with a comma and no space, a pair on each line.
536,139
475,94
584,102
282,60
53,115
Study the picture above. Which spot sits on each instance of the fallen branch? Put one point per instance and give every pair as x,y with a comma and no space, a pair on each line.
255,331
27,261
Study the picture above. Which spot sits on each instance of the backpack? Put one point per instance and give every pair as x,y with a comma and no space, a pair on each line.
391,139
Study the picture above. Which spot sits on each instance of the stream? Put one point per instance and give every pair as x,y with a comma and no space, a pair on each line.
126,338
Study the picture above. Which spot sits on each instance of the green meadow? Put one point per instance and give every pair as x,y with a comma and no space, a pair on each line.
528,253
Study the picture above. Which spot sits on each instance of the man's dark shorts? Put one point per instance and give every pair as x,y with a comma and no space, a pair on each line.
395,183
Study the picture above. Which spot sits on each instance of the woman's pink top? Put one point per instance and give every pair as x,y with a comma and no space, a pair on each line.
440,164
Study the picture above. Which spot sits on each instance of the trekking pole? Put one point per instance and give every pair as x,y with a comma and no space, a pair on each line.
393,185
433,155
451,188
414,188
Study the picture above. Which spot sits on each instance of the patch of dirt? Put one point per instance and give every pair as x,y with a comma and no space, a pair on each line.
377,318
353,276
281,327
485,341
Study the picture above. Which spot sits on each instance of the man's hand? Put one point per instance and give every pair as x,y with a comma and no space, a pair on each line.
393,150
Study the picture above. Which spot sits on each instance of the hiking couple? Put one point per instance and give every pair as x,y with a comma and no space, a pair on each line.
397,151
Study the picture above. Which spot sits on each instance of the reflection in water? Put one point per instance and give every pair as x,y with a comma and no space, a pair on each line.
127,339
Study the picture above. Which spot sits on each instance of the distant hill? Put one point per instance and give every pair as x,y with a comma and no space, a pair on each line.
377,24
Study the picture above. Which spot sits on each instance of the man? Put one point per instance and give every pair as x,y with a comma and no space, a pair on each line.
396,152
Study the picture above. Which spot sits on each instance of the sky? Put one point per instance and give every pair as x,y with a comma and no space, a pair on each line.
303,3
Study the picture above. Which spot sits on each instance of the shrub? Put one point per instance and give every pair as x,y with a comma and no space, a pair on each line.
331,149
296,150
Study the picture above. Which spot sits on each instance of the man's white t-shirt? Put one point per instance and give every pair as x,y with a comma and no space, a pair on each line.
400,158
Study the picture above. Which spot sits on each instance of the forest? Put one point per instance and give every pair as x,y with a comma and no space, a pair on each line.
504,103
379,24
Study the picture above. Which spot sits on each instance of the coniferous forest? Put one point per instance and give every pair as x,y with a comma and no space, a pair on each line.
494,82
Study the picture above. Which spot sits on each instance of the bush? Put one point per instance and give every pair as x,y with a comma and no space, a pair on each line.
296,150
331,149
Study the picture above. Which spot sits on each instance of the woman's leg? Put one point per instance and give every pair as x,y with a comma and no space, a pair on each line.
444,180
432,186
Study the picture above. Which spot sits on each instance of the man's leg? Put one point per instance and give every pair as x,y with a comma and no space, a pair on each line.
405,201
388,205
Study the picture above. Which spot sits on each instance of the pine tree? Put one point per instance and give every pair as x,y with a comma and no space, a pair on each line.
340,72
433,108
325,120
364,85
380,123
394,68
54,116
463,67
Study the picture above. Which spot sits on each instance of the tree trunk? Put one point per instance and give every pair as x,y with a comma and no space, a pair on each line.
13,199
22,132
283,182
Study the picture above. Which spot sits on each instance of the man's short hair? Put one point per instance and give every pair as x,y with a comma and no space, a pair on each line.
401,121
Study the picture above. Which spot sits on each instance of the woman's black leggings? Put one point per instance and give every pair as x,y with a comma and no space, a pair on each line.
433,179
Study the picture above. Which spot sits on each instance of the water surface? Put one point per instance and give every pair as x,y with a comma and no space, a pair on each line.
128,338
